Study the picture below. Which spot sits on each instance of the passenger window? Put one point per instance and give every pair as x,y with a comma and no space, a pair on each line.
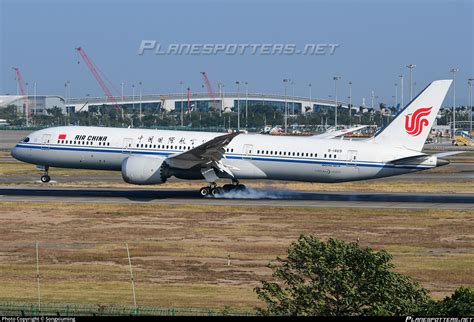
324,155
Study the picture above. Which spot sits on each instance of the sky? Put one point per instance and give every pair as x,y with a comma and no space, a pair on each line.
375,40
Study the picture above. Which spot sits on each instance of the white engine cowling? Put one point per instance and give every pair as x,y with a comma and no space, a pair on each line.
144,170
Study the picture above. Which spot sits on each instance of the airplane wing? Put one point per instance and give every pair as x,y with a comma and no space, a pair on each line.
209,153
335,134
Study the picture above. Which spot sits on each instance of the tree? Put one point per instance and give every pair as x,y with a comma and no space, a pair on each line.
338,278
460,303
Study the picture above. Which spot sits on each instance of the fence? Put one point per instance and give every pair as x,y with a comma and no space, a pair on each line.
25,309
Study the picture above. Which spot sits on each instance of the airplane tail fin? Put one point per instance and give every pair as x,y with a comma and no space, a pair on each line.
411,126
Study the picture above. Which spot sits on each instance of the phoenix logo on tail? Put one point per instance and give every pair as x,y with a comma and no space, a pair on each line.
415,122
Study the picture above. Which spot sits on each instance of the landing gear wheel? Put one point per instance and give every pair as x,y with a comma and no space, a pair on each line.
240,187
205,191
228,187
217,191
45,178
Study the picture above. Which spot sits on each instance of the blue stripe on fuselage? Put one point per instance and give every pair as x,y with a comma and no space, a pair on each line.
236,156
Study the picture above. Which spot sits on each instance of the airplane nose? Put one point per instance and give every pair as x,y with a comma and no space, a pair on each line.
14,152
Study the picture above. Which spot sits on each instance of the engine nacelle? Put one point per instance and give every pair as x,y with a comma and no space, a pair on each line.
144,170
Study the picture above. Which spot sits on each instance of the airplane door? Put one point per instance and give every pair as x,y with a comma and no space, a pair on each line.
45,141
127,145
247,152
352,158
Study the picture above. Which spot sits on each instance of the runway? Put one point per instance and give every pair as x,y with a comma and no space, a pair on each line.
252,197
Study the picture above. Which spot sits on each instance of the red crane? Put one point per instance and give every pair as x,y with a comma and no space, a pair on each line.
208,85
95,71
22,86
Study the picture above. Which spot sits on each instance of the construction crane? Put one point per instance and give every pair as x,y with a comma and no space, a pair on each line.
208,85
95,71
22,87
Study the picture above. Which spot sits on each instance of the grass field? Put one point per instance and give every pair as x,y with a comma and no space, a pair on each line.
180,252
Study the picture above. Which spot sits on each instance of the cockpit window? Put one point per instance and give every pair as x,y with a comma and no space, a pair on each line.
25,140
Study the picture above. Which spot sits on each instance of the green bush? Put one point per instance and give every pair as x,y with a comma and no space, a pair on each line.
338,278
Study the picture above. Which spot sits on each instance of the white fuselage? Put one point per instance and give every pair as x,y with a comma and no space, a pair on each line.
248,156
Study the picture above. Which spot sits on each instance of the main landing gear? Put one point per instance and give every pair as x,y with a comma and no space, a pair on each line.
45,178
214,191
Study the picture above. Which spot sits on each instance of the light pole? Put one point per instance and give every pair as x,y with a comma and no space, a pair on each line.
140,83
336,78
238,105
285,82
121,107
34,97
401,86
470,103
246,103
66,91
396,95
219,85
182,99
381,117
373,96
454,70
310,97
293,101
133,98
223,95
350,103
411,67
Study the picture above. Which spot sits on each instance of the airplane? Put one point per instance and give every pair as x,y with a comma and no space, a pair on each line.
150,156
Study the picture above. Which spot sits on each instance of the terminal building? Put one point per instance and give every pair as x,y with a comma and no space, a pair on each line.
203,102
35,104
197,102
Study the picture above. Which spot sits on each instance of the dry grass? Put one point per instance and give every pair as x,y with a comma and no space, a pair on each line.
83,179
179,252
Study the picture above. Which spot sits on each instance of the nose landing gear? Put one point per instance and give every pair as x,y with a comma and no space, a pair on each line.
45,178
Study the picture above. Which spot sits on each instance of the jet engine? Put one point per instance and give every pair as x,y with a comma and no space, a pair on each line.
144,170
